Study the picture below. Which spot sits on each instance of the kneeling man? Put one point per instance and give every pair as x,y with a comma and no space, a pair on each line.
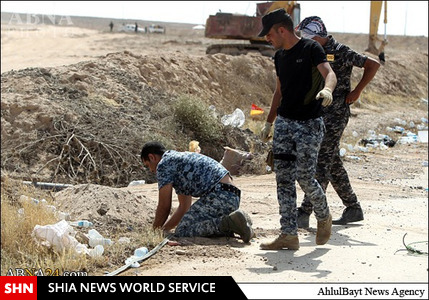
215,213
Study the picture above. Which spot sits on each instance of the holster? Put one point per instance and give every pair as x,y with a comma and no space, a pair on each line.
281,156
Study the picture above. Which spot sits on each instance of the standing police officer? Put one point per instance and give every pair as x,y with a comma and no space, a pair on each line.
304,84
336,116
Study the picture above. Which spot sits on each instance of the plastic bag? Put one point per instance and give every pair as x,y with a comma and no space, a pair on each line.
236,119
59,236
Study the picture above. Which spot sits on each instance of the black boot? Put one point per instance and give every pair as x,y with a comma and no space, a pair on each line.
350,214
302,218
238,222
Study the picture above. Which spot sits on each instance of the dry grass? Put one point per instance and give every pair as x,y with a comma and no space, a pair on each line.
19,250
239,86
255,124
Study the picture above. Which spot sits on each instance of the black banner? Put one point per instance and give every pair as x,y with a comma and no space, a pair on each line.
192,287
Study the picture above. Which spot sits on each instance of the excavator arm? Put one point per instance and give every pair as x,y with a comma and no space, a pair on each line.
374,20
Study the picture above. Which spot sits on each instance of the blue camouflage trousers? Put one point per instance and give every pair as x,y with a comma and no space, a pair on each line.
204,216
295,147
330,168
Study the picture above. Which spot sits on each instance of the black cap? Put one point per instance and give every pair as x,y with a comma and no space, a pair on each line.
274,17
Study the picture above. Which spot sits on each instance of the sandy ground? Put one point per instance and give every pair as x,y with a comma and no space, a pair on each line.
391,186
366,251
29,46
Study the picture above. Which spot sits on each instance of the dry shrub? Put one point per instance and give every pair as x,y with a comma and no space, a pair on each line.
194,118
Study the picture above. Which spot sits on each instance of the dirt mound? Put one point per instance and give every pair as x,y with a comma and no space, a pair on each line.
86,122
400,76
108,208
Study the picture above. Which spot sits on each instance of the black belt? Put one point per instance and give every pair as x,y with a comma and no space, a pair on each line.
285,156
230,188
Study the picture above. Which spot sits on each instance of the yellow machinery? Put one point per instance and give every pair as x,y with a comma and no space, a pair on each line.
241,27
374,20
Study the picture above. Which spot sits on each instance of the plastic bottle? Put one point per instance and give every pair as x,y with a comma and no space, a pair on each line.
408,139
63,216
421,127
371,133
81,223
140,252
97,251
398,129
100,241
413,137
353,157
124,240
343,152
134,264
92,234
95,239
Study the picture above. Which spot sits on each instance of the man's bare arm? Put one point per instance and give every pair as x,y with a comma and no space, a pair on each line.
164,205
184,204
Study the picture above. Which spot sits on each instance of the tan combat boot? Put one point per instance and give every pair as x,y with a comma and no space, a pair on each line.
288,241
324,230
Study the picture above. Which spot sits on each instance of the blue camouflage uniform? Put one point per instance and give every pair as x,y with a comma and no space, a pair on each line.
298,130
336,116
198,176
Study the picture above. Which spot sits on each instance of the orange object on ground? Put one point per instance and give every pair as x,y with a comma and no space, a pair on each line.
256,110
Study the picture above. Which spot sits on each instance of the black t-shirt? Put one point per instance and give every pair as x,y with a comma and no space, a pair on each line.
300,79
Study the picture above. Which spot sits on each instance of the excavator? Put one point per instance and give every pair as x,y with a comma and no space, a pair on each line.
374,20
241,27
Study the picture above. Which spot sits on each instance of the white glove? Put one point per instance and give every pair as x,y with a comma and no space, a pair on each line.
326,94
265,133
